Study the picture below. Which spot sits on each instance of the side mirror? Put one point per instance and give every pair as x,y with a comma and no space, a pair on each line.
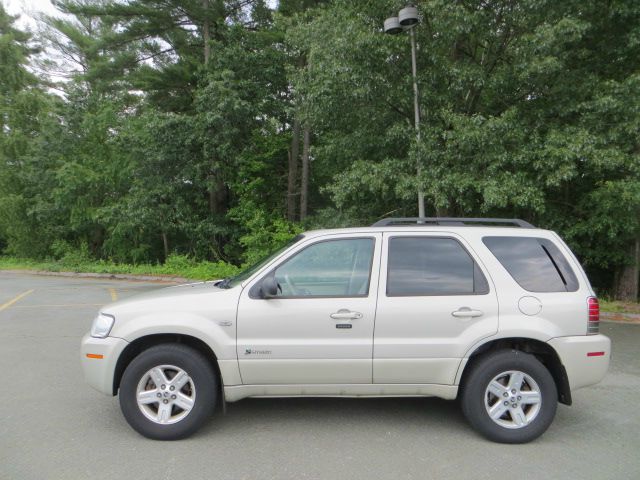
270,287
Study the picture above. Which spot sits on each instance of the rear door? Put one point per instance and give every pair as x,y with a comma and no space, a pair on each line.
435,300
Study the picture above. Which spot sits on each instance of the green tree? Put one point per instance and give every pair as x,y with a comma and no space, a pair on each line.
210,127
513,97
24,109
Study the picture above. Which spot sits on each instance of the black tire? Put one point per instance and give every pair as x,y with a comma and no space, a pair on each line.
204,381
474,390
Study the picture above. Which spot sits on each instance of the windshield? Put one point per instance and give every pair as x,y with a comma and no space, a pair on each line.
242,276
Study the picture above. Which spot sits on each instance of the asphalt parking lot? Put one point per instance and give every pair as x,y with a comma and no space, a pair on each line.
53,426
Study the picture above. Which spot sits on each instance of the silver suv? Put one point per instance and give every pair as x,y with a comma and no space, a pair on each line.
492,312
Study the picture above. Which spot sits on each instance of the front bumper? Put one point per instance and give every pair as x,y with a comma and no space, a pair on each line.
99,357
586,358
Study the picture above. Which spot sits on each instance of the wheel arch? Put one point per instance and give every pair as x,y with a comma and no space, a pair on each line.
544,352
139,345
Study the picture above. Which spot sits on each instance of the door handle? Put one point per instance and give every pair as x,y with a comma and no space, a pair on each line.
344,314
464,312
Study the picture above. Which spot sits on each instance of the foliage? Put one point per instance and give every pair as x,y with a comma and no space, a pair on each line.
173,139
265,236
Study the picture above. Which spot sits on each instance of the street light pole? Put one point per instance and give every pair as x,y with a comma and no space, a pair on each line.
416,115
407,19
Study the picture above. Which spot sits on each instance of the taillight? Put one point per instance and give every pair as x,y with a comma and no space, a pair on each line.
593,326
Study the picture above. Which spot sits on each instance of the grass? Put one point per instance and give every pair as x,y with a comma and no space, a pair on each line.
614,306
176,265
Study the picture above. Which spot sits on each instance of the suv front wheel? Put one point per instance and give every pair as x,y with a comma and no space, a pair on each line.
168,391
509,396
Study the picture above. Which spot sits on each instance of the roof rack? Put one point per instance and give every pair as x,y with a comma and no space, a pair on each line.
452,221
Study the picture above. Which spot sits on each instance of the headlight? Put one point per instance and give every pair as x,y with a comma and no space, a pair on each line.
102,325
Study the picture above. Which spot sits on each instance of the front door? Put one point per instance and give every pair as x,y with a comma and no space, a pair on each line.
318,329
435,301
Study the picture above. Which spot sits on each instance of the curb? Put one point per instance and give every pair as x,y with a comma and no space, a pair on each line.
109,276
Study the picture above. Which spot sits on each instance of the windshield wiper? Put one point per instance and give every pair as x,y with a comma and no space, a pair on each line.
224,283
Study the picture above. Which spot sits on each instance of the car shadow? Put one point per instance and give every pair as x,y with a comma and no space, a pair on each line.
337,413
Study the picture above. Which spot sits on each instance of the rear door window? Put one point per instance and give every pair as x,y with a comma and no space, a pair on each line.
535,263
421,266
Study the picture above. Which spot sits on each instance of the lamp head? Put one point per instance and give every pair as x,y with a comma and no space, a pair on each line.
392,26
408,17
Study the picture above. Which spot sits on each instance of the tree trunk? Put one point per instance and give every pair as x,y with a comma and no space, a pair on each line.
293,170
626,287
217,195
442,212
206,35
165,244
97,239
304,181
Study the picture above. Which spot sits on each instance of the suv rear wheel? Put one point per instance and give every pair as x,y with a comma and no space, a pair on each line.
168,391
509,397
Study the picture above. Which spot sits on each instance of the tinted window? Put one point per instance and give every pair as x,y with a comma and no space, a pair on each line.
336,268
535,263
432,266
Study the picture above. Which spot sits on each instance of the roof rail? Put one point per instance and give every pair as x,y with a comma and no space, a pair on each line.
451,221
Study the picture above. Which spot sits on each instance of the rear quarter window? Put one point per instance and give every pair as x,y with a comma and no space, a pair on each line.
535,263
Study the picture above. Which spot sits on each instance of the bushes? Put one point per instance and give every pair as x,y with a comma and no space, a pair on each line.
265,236
176,265
190,268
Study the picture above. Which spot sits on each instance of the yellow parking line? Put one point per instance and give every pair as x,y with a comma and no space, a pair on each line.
14,300
62,305
114,295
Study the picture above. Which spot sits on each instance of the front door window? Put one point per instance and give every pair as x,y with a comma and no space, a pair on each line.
335,268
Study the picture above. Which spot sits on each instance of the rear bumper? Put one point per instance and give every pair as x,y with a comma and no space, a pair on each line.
98,372
585,358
